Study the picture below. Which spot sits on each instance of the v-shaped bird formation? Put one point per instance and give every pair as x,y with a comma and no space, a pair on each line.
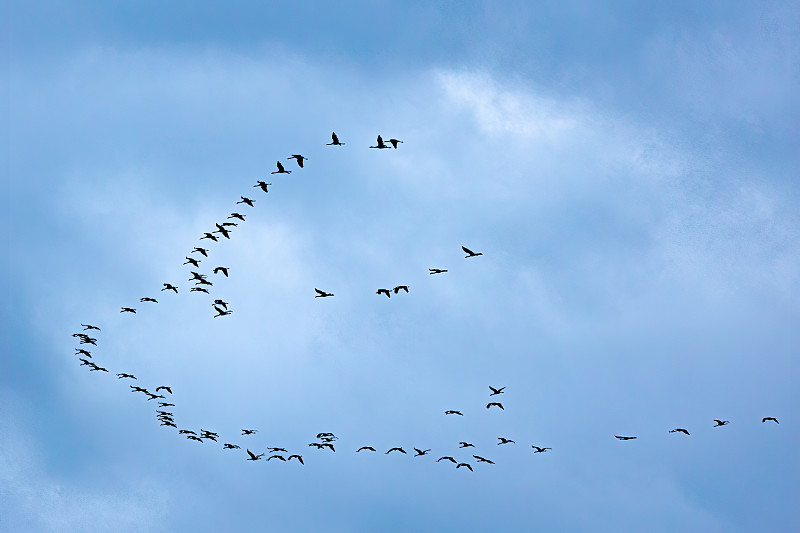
323,442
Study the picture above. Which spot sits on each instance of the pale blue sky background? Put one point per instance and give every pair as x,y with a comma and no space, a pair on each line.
630,172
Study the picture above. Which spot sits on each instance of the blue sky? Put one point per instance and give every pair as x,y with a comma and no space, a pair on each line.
629,172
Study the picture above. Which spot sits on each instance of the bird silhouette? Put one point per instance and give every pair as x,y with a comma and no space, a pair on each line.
192,261
459,465
299,158
436,270
537,449
496,391
624,438
295,456
164,387
126,310
249,431
237,215
483,459
451,412
124,375
148,299
222,230
678,430
254,457
248,201
230,446
224,270
770,418
276,457
370,448
420,452
81,351
198,439
401,288
470,253
187,432
95,368
380,144
274,450
261,185
465,445
504,440
207,235
170,287
281,170
198,289
203,251
322,294
721,423
335,141
164,404
398,449
387,292
446,458
394,142
220,302
89,326
498,404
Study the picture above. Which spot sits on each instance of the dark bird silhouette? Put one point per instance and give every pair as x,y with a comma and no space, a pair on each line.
89,326
203,281
370,448
459,465
483,459
230,446
226,224
124,375
148,299
679,430
401,288
126,310
203,251
134,388
299,158
328,445
100,368
261,185
276,457
222,231
81,351
187,432
380,144
237,215
254,457
248,201
624,438
220,302
192,437
504,440
170,287
496,391
249,431
446,458
198,289
281,170
321,435
93,341
85,362
451,412
221,312
207,433
498,404
169,423
420,453
274,450
224,270
465,445
335,141
322,294
197,276
538,449
192,261
154,396
207,235
164,387
770,418
436,270
721,422
295,456
81,335
164,404
394,142
470,253
398,449
317,445
387,292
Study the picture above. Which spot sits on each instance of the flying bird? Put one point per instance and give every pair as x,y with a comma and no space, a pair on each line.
170,287
220,302
237,215
470,253
164,404
322,294
496,391
394,142
770,418
198,289
224,270
420,452
281,170
249,431
483,459
207,235
299,158
124,375
387,292
222,231
230,446
148,299
274,450
89,326
203,251
537,449
446,458
401,450
168,389
401,287
221,312
276,457
263,186
295,456
248,201
504,440
125,310
254,457
498,404
451,412
370,448
192,437
81,351
335,140
459,465
465,445
720,422
192,261
624,438
380,144
436,270
679,430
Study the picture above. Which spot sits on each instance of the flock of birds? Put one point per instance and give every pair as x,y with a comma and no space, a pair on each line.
323,440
